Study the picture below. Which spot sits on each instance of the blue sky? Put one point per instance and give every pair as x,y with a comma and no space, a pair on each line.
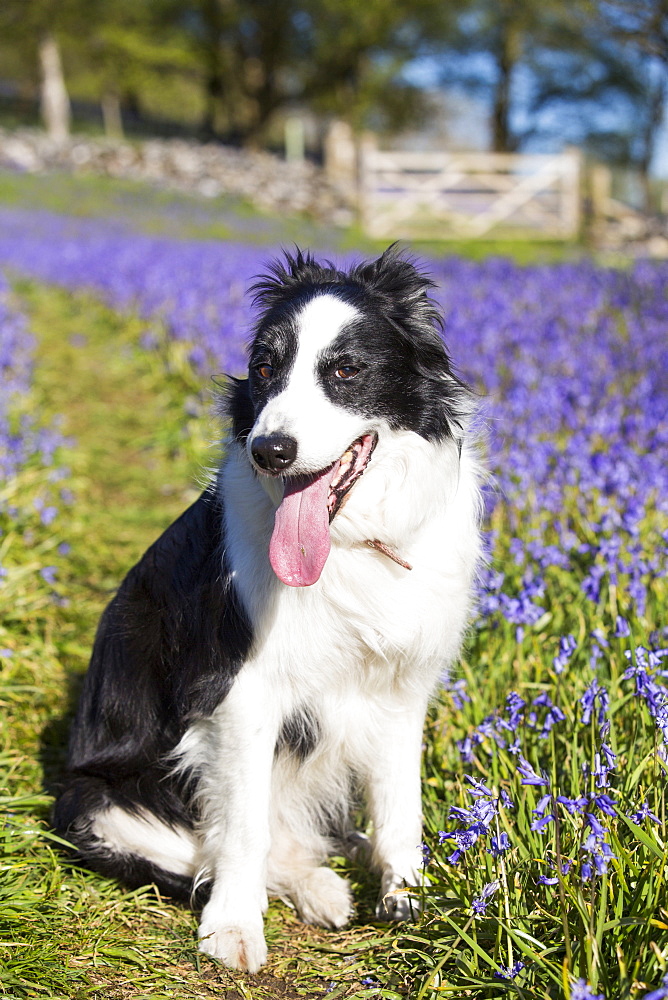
424,73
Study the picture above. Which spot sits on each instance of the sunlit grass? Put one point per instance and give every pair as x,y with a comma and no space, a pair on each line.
134,463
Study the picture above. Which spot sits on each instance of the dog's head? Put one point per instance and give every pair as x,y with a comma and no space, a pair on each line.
338,359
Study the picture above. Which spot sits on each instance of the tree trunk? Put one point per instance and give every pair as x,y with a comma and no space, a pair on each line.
506,59
655,117
111,115
54,100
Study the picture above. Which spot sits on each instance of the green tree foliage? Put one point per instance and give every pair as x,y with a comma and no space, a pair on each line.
259,57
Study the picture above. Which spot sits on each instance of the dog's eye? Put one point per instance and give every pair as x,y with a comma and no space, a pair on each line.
264,371
347,372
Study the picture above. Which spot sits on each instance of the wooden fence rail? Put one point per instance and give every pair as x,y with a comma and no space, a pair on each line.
468,195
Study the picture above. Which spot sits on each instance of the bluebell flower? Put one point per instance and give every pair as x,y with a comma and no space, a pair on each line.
506,800
605,803
597,854
567,646
539,825
542,805
478,788
622,629
480,903
48,574
498,845
573,805
643,813
594,693
529,776
505,973
581,990
457,690
552,714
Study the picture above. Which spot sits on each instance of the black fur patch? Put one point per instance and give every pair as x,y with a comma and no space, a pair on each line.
405,372
166,652
299,734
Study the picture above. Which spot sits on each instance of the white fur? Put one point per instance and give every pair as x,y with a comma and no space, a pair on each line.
364,647
302,410
144,834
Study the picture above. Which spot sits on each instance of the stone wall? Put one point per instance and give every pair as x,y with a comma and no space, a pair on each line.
265,180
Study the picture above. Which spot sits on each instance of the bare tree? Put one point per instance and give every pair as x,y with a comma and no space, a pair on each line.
54,99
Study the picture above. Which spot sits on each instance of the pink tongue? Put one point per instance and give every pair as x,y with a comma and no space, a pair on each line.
300,543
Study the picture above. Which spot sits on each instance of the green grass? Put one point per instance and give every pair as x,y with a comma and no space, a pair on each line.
163,212
135,462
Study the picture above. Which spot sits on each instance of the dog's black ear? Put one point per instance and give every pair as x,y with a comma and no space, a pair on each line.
236,405
403,287
292,273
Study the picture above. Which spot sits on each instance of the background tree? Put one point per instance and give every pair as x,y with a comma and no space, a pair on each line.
260,57
35,29
639,29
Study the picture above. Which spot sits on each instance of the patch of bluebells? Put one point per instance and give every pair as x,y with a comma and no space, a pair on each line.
647,673
594,804
22,439
476,819
24,443
570,358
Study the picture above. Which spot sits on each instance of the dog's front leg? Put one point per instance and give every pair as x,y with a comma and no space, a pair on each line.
235,825
395,805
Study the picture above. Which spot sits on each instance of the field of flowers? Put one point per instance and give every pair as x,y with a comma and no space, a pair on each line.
546,837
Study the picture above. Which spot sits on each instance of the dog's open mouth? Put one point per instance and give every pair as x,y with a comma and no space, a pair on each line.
300,541
351,465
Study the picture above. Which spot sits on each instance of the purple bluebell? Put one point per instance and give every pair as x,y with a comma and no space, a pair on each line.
643,813
622,629
499,845
567,646
581,990
547,880
505,973
480,903
527,773
594,694
48,574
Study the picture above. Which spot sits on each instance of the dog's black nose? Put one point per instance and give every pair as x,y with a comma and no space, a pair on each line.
274,452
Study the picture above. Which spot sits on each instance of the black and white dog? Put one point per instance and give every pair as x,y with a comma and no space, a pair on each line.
268,663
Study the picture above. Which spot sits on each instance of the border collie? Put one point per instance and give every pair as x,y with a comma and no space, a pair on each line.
266,666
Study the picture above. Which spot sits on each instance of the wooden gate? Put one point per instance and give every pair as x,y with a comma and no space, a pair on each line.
468,195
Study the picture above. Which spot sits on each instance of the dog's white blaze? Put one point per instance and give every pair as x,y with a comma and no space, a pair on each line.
145,835
322,429
319,322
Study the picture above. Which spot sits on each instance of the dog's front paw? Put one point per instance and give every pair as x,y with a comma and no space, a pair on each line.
239,947
323,898
398,902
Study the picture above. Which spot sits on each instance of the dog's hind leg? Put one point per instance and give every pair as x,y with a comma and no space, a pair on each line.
143,835
295,870
112,834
